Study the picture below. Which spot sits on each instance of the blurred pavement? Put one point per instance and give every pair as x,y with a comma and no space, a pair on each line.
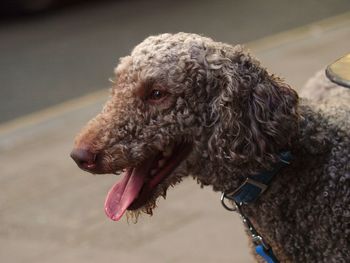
66,53
48,213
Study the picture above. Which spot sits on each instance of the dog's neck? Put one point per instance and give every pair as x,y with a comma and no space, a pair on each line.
289,185
226,176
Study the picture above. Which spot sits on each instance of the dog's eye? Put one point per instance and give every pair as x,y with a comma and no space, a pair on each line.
156,94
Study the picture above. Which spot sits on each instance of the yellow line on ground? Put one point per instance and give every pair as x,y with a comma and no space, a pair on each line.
52,112
259,45
298,33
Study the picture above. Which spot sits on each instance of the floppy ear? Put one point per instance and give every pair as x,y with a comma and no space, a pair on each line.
255,113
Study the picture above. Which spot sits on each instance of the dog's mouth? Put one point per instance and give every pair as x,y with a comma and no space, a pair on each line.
139,184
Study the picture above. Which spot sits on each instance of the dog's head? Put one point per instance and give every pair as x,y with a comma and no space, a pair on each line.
183,104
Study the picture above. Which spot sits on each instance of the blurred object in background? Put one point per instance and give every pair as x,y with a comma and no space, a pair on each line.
339,71
30,7
26,6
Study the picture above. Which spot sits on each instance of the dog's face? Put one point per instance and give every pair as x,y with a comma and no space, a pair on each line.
183,104
148,127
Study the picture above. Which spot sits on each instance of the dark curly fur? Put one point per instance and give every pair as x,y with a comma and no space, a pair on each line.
237,118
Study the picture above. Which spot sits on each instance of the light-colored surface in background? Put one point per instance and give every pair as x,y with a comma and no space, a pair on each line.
48,213
48,59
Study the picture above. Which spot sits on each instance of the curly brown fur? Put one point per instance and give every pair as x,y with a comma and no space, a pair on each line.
237,118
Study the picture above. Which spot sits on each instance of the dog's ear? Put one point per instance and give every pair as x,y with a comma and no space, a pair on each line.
254,114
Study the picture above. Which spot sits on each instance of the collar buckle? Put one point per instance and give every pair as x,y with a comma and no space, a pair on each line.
248,180
254,185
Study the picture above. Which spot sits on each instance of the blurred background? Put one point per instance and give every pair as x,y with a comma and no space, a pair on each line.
55,61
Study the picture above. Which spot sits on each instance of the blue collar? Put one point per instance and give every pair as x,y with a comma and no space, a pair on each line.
247,193
254,185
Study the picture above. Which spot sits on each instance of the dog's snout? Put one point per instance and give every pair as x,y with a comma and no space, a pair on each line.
84,158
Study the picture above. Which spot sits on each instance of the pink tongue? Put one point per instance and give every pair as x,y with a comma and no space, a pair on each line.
123,193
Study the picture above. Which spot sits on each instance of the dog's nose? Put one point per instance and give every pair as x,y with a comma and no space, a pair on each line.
84,158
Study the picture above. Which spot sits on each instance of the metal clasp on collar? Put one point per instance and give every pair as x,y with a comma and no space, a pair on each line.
236,207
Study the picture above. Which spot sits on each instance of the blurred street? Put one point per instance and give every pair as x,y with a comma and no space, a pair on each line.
52,212
64,54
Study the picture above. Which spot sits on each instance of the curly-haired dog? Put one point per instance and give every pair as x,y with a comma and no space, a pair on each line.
183,105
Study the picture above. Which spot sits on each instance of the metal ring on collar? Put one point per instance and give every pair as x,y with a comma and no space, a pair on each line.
232,208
